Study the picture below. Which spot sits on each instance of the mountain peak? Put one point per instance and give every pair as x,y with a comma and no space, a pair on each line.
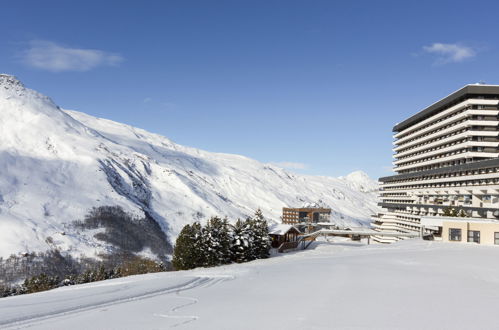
358,175
361,181
10,82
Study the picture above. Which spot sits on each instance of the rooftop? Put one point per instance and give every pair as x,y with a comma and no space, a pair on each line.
438,106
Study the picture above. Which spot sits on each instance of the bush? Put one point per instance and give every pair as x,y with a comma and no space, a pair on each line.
140,265
454,212
40,282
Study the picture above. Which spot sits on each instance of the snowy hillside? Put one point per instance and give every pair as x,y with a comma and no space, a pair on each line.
56,165
412,284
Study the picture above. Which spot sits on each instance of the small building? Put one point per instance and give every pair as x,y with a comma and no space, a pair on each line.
296,216
457,229
282,233
305,217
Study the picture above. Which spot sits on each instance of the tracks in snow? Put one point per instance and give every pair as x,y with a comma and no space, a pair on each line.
196,282
211,281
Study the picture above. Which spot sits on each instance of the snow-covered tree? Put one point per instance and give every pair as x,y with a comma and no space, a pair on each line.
240,245
260,233
219,243
217,240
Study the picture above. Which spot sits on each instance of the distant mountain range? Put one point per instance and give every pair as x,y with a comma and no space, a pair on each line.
56,165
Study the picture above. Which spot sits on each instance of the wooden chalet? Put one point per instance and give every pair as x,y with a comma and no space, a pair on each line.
283,236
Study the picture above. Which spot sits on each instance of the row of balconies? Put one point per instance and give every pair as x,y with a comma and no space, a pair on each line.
455,122
470,151
439,124
453,160
401,136
395,226
477,104
401,150
399,218
466,145
433,148
464,133
490,137
470,183
449,129
481,115
489,173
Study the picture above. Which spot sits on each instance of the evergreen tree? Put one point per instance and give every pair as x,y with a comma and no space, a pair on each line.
217,242
199,248
185,254
261,238
220,240
251,233
240,242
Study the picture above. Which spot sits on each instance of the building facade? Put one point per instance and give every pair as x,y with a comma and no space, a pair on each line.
305,218
446,160
461,230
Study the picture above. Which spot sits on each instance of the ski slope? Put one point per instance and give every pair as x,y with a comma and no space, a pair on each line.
57,164
411,284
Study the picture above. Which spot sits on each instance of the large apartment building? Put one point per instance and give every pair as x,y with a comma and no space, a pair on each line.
446,156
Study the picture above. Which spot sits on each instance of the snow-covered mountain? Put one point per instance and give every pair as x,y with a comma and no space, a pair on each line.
55,165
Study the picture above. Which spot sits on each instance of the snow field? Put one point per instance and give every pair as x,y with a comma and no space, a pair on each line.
408,285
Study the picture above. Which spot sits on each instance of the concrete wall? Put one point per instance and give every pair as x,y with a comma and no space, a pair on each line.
486,229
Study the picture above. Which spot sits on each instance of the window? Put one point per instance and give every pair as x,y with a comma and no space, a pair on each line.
496,238
474,236
454,234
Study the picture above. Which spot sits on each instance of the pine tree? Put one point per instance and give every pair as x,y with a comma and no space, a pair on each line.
240,242
258,215
200,251
217,242
261,239
186,254
222,237
252,234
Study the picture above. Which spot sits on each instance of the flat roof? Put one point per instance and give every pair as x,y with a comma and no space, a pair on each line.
307,209
436,107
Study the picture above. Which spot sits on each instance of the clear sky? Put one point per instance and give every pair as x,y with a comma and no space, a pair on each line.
313,85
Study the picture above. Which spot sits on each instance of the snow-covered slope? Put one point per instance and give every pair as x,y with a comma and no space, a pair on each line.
55,165
412,284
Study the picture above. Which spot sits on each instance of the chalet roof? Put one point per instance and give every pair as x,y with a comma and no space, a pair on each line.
280,229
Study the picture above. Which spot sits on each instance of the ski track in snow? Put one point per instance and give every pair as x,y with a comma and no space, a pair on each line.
211,281
196,282
189,318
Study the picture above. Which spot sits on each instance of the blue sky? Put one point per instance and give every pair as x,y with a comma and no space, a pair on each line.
313,85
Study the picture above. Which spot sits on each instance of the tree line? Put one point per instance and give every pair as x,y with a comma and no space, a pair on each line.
96,271
219,242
